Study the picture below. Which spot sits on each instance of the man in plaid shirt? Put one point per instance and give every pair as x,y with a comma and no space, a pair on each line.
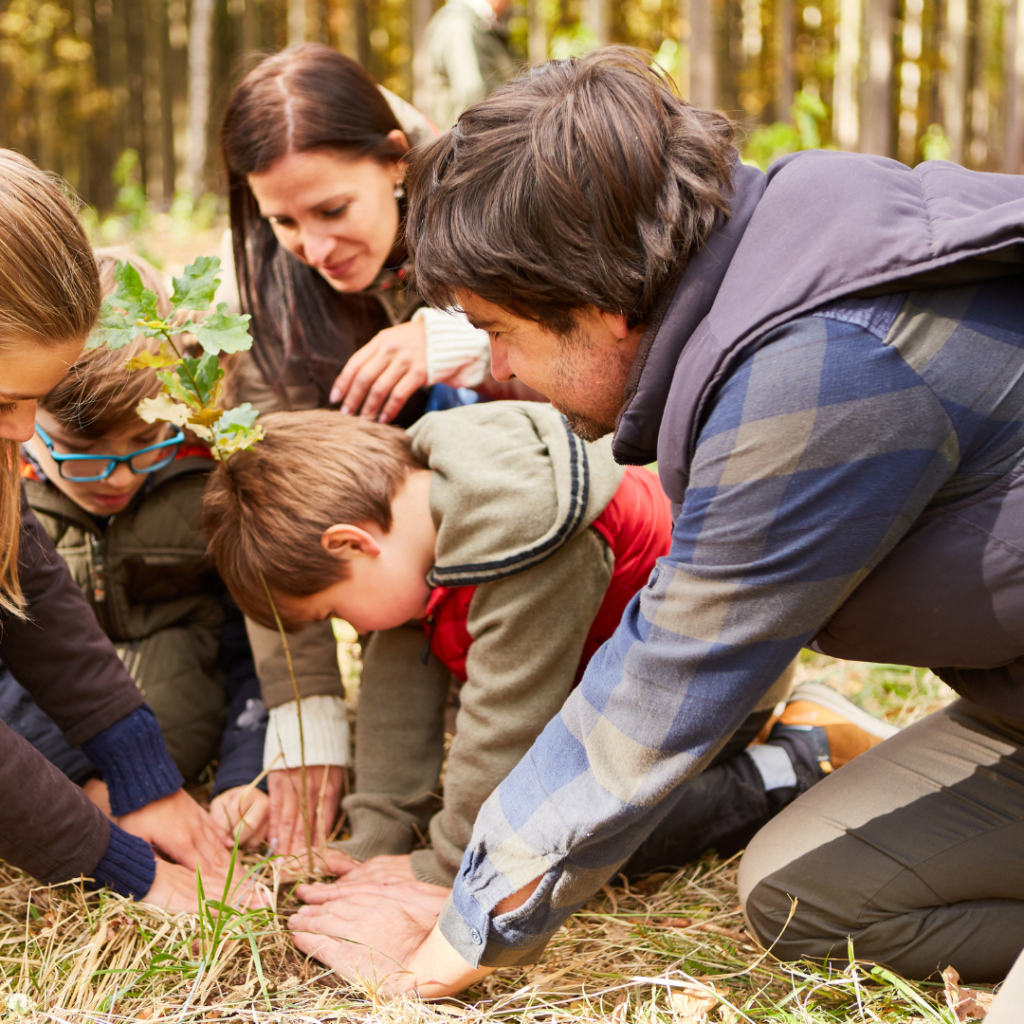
828,365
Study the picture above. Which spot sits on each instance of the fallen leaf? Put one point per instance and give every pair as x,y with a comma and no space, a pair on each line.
695,1006
966,1003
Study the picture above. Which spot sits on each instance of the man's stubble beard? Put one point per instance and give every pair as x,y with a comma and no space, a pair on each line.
599,420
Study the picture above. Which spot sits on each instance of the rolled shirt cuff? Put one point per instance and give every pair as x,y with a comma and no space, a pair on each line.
132,757
472,933
128,865
324,729
457,353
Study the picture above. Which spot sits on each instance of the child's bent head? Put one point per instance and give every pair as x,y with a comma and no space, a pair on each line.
92,412
267,513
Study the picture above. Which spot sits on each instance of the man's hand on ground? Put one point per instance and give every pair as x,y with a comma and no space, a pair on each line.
385,935
286,832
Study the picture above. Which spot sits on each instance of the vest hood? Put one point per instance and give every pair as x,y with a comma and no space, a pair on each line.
511,485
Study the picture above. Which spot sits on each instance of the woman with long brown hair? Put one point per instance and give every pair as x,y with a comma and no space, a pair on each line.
315,153
49,637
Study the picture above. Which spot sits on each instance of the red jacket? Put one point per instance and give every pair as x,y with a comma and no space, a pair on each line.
636,523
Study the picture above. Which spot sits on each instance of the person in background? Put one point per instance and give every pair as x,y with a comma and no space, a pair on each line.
130,533
315,153
49,636
464,57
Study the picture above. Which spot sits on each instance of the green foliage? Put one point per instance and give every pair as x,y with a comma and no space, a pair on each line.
191,384
934,143
770,142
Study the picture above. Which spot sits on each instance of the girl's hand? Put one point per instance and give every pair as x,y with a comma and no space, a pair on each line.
243,811
381,376
183,832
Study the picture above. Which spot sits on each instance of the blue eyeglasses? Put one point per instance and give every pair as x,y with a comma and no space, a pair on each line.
87,468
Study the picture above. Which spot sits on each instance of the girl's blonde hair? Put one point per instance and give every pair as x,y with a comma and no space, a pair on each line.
49,295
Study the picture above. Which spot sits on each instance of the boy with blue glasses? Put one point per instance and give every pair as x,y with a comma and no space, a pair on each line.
121,499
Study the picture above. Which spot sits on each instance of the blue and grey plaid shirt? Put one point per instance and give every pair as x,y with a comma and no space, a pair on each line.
821,449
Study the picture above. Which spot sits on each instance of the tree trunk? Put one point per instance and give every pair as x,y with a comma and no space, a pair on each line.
538,34
199,59
703,83
421,12
845,109
910,80
135,50
596,17
786,42
1013,152
297,29
954,91
876,123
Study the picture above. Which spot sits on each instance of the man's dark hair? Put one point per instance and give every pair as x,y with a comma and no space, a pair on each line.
588,182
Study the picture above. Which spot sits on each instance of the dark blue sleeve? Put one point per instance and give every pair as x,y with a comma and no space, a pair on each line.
241,747
133,760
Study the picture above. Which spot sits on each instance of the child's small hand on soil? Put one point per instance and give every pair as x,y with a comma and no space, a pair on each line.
243,811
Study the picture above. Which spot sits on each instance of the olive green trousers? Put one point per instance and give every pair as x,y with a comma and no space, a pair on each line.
914,852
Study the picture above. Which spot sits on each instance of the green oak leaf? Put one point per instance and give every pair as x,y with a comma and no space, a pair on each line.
236,441
242,417
173,386
113,329
222,332
197,286
137,301
206,372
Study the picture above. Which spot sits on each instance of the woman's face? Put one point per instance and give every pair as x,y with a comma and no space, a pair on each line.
28,371
337,214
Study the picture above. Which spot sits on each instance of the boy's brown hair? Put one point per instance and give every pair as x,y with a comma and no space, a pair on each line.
99,394
587,182
265,511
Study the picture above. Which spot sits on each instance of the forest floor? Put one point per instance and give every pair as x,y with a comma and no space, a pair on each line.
672,949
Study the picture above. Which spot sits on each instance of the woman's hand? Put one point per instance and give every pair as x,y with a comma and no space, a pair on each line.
243,811
183,832
286,831
381,376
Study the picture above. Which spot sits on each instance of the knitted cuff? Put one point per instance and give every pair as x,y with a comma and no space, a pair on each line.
457,353
374,834
324,734
427,867
128,865
134,762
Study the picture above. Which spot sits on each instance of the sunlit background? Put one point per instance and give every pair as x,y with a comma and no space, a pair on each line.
123,97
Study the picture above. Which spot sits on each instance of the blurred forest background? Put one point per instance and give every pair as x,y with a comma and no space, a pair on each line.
123,97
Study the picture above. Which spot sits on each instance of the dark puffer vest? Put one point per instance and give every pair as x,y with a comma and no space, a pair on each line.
820,226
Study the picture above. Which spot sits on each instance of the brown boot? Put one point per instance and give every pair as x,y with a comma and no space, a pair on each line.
835,729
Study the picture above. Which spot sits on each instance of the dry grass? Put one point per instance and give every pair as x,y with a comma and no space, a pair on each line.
672,949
